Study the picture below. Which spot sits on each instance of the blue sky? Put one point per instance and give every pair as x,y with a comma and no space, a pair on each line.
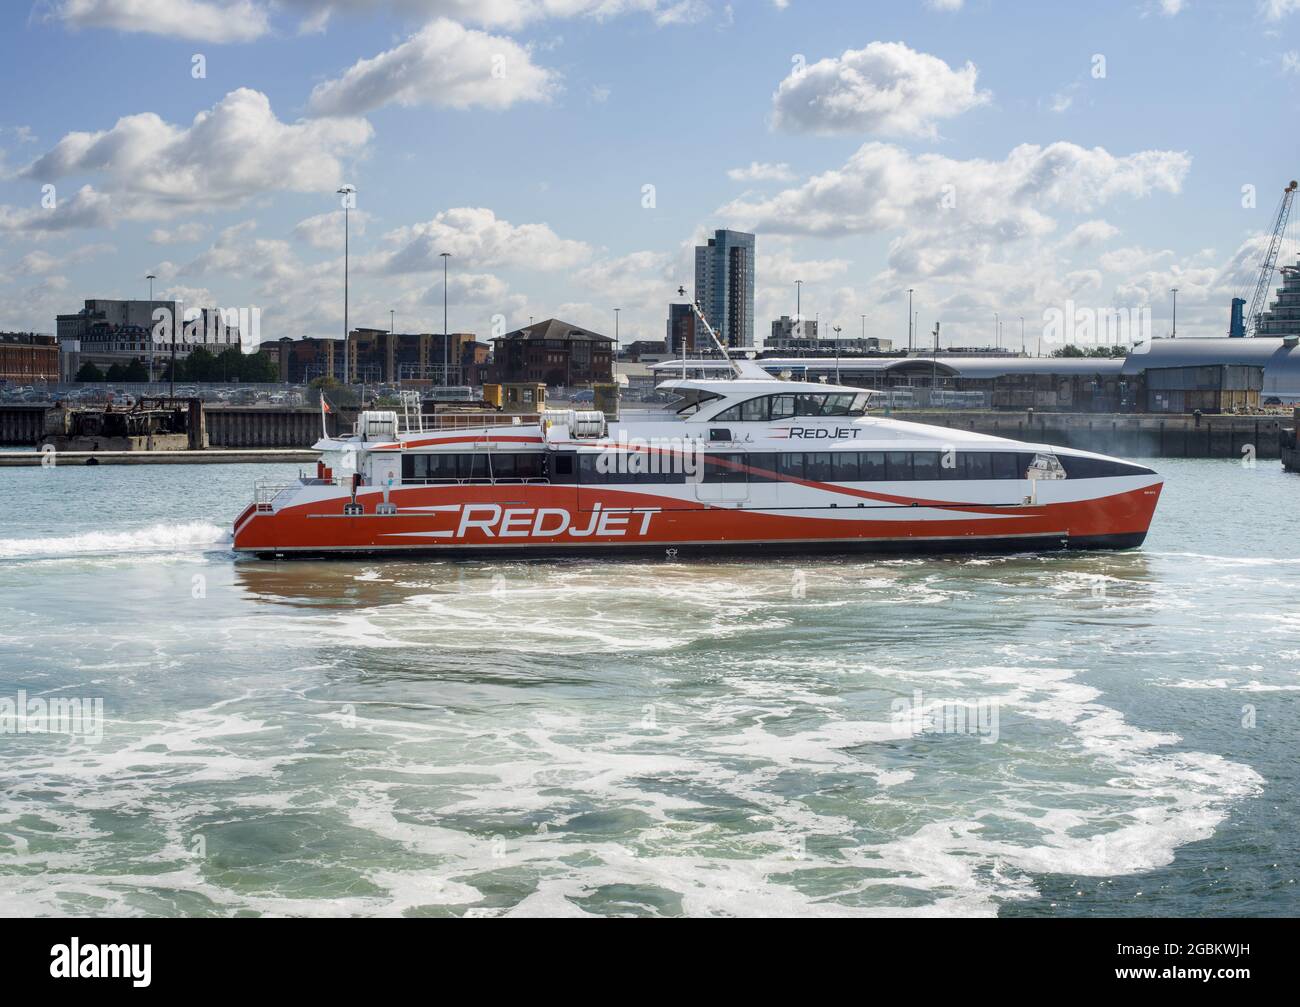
967,149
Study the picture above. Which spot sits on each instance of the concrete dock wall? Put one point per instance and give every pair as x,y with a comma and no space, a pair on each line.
261,427
1126,434
14,459
22,425
1123,434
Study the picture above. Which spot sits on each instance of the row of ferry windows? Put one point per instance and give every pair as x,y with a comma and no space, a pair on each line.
754,467
785,407
815,466
849,467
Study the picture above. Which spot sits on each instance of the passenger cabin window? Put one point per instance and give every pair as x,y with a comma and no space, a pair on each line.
472,468
729,468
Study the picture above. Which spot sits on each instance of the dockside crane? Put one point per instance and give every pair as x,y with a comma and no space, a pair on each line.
1239,326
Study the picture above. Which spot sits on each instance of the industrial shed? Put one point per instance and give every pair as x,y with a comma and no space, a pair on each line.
1159,376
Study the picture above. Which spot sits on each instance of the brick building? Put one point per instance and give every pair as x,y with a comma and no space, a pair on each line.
28,357
555,352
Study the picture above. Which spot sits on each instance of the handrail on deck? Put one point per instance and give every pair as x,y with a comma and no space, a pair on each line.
459,421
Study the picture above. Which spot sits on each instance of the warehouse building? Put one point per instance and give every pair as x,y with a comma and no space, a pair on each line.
1159,376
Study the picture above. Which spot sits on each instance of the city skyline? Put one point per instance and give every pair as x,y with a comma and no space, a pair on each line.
941,147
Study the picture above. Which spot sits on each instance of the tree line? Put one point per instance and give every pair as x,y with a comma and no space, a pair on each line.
200,365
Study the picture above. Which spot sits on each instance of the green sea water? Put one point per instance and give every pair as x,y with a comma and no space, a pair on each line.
1057,734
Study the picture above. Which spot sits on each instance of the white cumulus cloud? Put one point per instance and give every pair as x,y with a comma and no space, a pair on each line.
759,171
204,20
1091,232
883,187
477,237
442,64
152,169
325,230
885,88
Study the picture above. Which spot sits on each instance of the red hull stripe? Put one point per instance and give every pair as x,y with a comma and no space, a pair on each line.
547,515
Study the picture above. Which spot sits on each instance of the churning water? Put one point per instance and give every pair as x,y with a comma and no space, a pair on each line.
1107,733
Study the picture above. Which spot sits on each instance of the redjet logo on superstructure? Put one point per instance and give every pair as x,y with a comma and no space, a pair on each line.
495,521
814,433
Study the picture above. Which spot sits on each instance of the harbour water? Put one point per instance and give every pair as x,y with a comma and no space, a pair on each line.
1065,734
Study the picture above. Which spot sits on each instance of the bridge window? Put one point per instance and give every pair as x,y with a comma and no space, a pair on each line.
788,406
782,407
808,404
839,405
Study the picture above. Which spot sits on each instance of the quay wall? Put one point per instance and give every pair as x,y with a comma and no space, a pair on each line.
262,427
1134,435
22,425
1123,434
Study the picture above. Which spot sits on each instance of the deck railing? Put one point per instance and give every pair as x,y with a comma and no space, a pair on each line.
266,492
459,421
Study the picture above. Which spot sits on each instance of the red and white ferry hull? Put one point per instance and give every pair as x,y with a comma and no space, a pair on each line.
750,464
539,519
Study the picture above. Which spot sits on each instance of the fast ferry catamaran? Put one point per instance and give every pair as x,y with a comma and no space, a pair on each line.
747,462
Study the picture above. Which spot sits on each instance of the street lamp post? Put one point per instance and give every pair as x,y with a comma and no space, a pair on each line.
798,308
909,319
837,351
1022,335
934,366
348,192
446,336
1174,291
151,278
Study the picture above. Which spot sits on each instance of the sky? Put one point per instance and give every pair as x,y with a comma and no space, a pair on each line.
1001,159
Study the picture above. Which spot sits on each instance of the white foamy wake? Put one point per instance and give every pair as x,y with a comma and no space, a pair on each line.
156,538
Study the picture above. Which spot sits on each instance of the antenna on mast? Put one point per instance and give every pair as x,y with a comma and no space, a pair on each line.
681,292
